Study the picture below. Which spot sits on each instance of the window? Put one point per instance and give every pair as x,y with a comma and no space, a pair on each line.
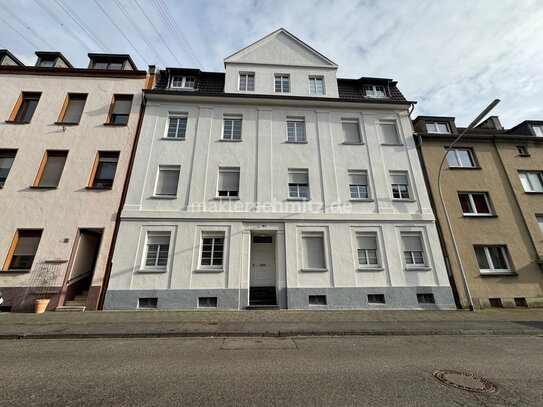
367,250
231,128
375,91
105,168
295,131
376,299
228,182
531,181
492,259
389,133
437,128
540,222
168,178
522,151
474,203
212,251
313,257
351,131
460,158
177,127
47,62
120,109
23,250
51,169
25,107
298,184
317,300
247,81
412,249
73,108
538,130
158,246
107,65
6,161
148,303
282,83
316,85
358,184
400,185
426,299
183,82
207,302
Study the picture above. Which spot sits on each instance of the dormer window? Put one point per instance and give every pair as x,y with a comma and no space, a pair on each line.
438,128
375,91
48,63
107,65
183,82
538,130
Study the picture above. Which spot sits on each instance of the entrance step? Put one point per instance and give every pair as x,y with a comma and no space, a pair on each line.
262,296
70,308
76,303
262,307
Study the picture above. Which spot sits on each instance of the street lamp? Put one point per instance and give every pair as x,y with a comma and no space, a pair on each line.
447,219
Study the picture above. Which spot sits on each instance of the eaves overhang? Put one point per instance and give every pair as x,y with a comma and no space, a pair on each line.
481,137
50,71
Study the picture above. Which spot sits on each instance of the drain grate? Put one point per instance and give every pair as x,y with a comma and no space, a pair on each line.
465,381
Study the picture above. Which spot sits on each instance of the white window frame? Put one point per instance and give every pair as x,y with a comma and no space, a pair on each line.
538,130
190,80
356,198
176,116
538,174
492,269
315,78
176,168
408,186
371,91
357,123
414,265
295,122
539,220
398,141
457,157
212,235
282,77
232,118
148,236
472,204
313,234
436,129
522,151
223,170
298,185
246,75
368,266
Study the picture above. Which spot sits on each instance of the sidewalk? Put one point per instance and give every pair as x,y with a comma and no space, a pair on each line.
149,324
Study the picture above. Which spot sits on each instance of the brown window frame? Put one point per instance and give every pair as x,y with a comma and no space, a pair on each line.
111,116
44,161
13,246
100,154
14,117
67,100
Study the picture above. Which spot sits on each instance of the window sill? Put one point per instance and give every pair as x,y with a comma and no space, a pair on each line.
403,200
152,271
392,144
498,273
229,141
16,122
524,155
353,143
295,142
226,198
203,270
421,268
362,200
99,188
42,187
67,123
314,270
116,124
465,168
163,197
14,271
533,192
173,138
370,269
479,215
298,199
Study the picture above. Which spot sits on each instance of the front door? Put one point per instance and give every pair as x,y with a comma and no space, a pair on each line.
263,261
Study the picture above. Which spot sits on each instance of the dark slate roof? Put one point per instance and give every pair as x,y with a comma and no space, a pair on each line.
212,84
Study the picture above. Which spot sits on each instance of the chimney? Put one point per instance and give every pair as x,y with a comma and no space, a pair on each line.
151,76
493,122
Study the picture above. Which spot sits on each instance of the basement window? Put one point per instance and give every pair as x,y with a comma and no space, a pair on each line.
426,299
207,302
147,303
495,302
521,302
376,299
317,300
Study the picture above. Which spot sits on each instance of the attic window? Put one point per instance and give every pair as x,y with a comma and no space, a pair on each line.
183,82
538,131
47,62
112,65
438,128
375,91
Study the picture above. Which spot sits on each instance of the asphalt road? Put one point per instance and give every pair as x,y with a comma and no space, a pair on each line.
343,371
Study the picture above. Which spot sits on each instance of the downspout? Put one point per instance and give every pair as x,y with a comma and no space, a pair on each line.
149,83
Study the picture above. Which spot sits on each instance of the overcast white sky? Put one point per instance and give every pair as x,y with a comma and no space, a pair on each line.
452,56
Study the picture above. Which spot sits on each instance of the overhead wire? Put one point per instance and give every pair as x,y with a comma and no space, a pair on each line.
91,34
122,33
27,26
64,26
141,34
158,32
22,36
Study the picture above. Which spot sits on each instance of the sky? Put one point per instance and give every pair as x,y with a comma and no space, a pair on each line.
451,56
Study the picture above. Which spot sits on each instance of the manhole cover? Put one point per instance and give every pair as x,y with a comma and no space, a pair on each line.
465,381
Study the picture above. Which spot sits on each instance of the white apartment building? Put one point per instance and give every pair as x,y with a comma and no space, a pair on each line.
66,141
276,184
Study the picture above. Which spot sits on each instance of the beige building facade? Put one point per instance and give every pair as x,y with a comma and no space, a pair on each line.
67,137
492,183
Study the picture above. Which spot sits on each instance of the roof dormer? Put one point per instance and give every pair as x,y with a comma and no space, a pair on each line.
8,59
112,62
52,60
282,65
435,125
